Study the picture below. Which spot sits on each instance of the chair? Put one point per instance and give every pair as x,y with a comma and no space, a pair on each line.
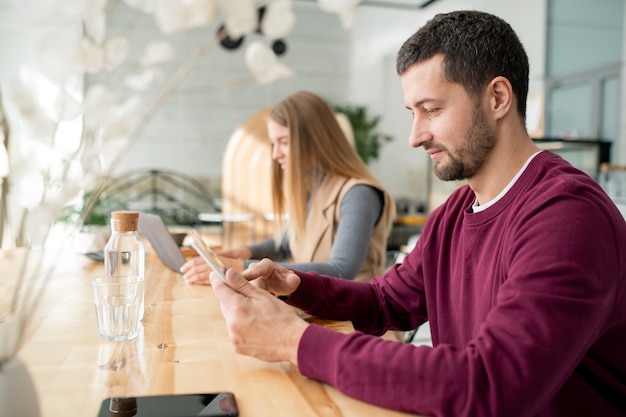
420,335
613,181
246,181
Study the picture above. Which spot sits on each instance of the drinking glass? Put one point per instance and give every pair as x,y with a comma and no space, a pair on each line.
118,302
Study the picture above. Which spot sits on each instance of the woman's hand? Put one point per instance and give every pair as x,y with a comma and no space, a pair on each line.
196,270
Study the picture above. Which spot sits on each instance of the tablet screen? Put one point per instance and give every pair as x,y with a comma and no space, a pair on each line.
209,256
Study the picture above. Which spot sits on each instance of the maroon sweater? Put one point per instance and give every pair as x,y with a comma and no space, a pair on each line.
526,303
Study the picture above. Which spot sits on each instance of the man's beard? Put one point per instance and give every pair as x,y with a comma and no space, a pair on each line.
468,158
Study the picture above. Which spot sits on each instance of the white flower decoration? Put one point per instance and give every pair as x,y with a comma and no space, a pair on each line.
121,119
174,16
264,65
278,20
92,56
343,8
145,6
4,161
38,222
143,80
99,99
115,52
67,106
240,17
35,120
59,53
157,52
95,26
29,186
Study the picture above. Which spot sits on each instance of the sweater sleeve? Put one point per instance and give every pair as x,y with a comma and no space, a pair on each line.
362,365
360,210
550,332
267,249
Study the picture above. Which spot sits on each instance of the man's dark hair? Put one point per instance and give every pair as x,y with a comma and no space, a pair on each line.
476,46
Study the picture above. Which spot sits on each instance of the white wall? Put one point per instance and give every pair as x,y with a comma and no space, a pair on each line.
620,155
376,37
189,133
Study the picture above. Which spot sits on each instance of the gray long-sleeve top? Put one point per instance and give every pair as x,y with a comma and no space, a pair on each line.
360,210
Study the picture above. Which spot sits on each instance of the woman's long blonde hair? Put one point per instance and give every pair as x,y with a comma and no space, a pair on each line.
317,147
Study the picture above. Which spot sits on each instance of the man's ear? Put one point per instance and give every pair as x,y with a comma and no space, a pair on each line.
501,97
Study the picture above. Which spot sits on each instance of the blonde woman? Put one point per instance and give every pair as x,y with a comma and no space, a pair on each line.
339,215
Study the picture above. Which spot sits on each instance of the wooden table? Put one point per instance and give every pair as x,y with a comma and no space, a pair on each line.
183,348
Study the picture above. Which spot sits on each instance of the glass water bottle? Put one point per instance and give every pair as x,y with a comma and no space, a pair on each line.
124,254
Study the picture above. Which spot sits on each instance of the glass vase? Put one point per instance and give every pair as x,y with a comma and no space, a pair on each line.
18,396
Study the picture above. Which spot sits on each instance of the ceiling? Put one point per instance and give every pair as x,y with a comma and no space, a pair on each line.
395,4
399,4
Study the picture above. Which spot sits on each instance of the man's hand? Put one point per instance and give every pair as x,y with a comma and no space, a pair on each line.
259,324
271,277
196,270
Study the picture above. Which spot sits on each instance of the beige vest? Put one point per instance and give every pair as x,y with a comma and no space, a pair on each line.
321,227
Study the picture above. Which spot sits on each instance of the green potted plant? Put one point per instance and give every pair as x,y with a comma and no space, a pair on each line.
97,216
368,140
95,230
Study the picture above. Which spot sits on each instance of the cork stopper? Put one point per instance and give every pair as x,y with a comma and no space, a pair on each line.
123,407
124,221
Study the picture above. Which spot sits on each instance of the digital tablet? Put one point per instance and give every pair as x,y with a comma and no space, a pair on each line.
209,256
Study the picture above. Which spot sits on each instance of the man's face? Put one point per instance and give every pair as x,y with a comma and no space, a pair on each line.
447,122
